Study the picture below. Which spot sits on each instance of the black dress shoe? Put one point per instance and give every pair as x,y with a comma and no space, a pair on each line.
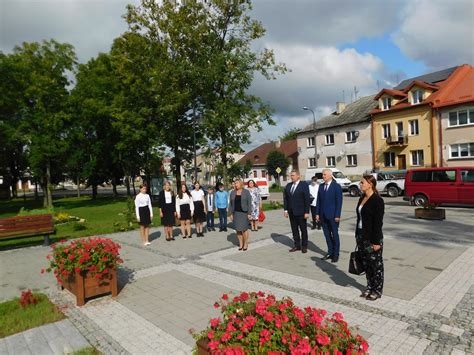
294,249
304,250
326,257
335,259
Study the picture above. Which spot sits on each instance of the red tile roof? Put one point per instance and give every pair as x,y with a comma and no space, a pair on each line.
390,92
258,156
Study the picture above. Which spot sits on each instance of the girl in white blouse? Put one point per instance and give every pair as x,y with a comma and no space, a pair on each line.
184,210
199,208
144,213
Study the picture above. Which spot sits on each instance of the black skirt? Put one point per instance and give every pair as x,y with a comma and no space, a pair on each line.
168,215
145,218
199,214
185,212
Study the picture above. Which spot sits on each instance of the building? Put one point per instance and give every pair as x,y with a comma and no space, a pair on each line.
343,140
258,159
405,127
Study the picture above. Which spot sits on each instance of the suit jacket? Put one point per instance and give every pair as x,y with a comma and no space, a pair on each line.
372,218
329,202
298,202
245,201
162,199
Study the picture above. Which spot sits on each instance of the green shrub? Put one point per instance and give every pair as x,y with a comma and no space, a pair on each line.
24,212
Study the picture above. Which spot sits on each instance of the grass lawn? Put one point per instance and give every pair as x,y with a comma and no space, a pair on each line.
100,216
87,351
15,319
268,206
276,189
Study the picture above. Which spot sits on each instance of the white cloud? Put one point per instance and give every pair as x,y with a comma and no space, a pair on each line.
438,32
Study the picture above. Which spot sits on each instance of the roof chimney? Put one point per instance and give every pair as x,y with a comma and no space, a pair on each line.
278,144
340,106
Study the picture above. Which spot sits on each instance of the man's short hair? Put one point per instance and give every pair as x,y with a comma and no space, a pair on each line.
328,170
314,178
295,171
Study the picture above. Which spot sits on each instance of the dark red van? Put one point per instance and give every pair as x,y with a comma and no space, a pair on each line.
440,185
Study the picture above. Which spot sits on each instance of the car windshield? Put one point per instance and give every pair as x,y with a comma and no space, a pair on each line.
338,175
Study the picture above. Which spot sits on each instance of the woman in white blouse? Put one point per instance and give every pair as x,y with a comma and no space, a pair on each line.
199,208
144,213
184,210
167,203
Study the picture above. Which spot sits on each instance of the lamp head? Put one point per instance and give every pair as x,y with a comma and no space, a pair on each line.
305,108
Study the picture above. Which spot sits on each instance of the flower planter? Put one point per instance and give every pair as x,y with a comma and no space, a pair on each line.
430,213
83,285
202,348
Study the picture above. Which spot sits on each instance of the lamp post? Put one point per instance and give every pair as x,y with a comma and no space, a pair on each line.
194,144
314,132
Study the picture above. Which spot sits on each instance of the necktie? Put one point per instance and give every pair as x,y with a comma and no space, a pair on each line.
293,188
325,187
210,200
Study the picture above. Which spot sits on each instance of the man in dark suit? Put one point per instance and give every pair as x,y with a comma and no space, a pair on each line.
296,203
328,211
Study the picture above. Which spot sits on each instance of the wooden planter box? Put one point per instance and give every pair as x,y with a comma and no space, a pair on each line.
84,286
430,213
202,348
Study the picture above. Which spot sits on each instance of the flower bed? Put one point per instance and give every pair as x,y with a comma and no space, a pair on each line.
86,267
258,323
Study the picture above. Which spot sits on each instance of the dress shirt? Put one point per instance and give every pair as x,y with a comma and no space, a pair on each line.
142,200
186,200
197,195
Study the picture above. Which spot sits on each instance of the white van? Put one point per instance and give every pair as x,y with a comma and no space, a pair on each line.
336,173
262,184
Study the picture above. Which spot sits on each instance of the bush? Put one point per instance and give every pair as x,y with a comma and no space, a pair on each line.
24,212
258,323
129,217
77,226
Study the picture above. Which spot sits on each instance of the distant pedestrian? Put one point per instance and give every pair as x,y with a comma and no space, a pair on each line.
313,192
199,208
369,236
328,211
211,208
296,204
222,204
144,213
256,204
240,213
184,210
167,204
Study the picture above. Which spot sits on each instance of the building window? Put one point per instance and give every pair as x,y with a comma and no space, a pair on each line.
389,158
417,158
461,118
414,129
351,137
417,96
264,173
386,131
352,160
329,139
387,103
311,162
331,162
464,150
399,129
310,142
255,173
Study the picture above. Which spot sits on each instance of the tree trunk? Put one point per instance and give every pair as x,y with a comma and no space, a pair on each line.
94,191
127,185
133,184
114,187
78,186
47,194
14,189
36,189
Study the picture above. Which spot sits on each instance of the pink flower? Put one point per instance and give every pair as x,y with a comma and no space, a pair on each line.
215,322
225,337
338,316
213,345
323,339
210,334
268,316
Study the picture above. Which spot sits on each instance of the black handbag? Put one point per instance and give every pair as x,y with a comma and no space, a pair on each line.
356,263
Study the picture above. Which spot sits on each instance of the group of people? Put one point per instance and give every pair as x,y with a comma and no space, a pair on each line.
325,203
243,204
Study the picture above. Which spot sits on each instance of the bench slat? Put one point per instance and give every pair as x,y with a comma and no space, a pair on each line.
25,219
26,233
26,227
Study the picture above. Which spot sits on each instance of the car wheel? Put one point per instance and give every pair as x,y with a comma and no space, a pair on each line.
392,191
354,191
420,200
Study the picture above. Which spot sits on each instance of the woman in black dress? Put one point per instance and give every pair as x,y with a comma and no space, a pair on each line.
199,208
369,236
184,210
144,213
167,203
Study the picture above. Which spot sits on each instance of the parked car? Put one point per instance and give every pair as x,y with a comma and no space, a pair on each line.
263,187
386,184
338,176
453,185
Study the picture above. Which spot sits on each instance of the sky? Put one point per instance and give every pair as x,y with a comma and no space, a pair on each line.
330,46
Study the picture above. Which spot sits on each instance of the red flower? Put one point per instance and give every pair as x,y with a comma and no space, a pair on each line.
338,316
216,305
71,257
210,334
77,269
215,322
244,296
42,271
104,258
225,297
323,339
213,345
225,337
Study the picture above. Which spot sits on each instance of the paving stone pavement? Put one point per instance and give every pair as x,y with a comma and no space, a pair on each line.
170,287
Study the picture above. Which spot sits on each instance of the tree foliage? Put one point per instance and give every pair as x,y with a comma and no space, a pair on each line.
277,159
289,135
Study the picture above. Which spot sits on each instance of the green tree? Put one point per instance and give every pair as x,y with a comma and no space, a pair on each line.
277,159
289,135
43,106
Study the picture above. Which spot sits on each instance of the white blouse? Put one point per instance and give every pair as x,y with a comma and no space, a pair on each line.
197,195
142,200
168,197
359,209
186,200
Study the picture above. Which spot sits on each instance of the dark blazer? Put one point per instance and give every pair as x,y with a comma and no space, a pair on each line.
329,203
245,200
162,200
298,203
372,218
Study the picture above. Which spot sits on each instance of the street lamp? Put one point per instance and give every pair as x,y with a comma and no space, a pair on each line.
194,144
314,130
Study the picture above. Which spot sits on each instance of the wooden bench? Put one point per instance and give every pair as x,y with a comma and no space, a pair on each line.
27,226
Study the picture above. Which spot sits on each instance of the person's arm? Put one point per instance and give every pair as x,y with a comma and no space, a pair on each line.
306,199
150,207
338,200
249,203
377,222
318,203
204,202
178,209
285,201
191,205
